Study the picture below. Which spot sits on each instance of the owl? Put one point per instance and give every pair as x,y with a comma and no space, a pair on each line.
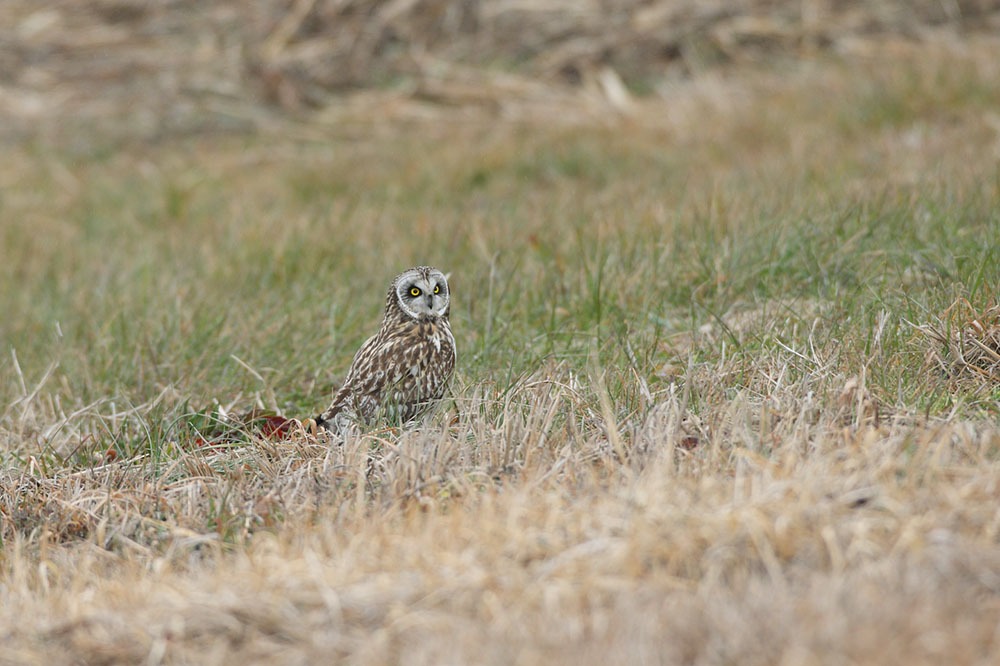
404,369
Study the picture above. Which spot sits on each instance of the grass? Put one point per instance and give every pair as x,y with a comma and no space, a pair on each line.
696,417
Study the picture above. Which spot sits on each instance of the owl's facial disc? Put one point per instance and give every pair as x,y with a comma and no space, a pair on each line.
423,293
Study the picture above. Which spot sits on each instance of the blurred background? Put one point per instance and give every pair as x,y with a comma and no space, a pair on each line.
75,70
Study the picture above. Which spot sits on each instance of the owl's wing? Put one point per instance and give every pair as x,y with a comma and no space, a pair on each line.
376,366
356,376
403,370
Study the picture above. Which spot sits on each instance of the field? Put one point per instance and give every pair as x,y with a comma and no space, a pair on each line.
728,387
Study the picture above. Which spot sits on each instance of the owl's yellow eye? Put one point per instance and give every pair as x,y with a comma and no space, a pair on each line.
437,289
415,291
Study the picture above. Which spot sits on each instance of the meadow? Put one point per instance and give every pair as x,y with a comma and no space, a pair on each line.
728,385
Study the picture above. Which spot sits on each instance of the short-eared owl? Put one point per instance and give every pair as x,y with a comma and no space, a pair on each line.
404,369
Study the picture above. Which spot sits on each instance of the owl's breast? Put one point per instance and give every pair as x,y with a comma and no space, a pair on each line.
437,334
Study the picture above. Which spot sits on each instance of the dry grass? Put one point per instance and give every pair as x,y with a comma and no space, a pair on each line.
134,69
968,344
694,421
796,530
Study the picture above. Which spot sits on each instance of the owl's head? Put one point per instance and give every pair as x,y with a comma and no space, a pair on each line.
421,293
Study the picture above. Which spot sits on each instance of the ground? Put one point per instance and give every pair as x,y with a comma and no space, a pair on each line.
728,344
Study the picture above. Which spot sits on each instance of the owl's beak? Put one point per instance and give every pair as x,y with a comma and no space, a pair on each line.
430,301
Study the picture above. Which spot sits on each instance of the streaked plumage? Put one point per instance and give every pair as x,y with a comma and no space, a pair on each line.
404,369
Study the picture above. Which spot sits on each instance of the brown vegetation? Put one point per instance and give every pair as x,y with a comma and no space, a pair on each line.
783,531
149,70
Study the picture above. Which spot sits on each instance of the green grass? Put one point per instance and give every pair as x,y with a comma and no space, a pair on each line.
159,276
163,279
